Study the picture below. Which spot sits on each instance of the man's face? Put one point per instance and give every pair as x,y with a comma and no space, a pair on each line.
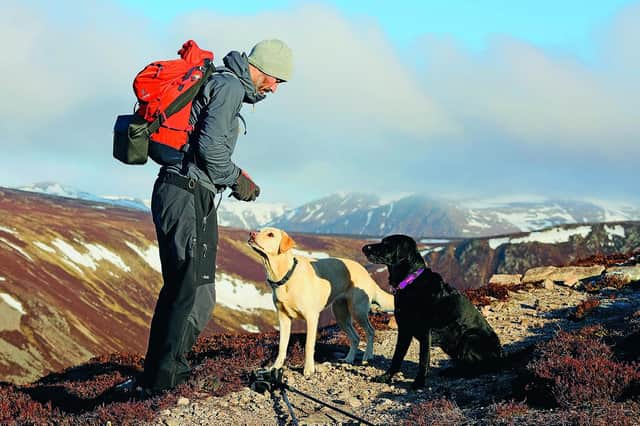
266,84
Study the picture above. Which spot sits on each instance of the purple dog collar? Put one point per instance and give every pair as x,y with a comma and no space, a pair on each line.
410,278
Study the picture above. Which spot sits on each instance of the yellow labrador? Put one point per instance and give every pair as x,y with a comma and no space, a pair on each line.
302,287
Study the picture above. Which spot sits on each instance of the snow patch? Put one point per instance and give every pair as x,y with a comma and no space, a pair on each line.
74,255
151,255
476,224
433,241
43,247
250,328
311,211
98,252
3,279
8,230
11,301
291,214
549,236
240,295
431,250
494,243
369,214
616,230
17,248
531,219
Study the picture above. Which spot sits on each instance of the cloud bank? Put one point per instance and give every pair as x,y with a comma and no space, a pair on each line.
359,114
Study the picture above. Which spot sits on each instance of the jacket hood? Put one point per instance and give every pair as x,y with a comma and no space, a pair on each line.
238,63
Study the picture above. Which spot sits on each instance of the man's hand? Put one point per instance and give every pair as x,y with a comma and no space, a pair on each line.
245,189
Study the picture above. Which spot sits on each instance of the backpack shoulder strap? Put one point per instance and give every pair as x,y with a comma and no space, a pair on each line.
185,98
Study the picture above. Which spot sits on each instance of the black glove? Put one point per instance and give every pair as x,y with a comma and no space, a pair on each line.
245,189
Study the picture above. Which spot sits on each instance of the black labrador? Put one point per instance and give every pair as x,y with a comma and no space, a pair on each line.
425,303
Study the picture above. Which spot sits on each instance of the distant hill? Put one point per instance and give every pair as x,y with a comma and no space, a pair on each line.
422,216
469,263
231,213
369,215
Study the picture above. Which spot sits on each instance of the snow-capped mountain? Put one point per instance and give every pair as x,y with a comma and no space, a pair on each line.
53,188
238,214
231,213
418,215
413,214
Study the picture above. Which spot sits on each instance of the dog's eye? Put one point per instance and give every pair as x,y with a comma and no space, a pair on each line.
270,234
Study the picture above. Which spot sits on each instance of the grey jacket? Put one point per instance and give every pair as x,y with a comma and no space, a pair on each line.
215,114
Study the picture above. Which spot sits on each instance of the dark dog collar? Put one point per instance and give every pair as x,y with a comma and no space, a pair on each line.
410,278
287,276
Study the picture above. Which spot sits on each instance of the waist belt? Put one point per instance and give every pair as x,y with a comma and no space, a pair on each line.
188,184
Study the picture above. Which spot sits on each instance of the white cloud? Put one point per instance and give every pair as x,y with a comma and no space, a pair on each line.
359,114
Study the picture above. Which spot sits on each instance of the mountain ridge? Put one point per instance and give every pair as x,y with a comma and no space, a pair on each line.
419,215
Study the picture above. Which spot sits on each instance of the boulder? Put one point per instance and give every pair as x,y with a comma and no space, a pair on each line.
569,275
506,279
539,274
626,273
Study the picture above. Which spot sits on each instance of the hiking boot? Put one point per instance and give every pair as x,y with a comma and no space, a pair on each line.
129,389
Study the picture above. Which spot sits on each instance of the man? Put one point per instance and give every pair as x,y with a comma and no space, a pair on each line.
184,211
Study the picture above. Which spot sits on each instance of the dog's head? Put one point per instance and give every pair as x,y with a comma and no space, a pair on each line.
270,241
393,250
400,254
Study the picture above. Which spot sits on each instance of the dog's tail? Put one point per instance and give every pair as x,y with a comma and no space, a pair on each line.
383,299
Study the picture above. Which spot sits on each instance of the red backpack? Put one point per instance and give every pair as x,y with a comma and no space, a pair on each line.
160,128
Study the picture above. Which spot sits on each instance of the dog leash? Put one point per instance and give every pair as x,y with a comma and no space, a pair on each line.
273,379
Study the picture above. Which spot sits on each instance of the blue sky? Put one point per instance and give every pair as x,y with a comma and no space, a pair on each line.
566,25
453,99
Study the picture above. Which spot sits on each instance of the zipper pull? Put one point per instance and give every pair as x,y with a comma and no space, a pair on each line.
204,251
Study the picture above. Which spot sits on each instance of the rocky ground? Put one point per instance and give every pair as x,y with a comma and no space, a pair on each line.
525,318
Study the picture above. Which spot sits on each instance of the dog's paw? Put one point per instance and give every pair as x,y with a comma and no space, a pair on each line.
309,370
276,365
383,378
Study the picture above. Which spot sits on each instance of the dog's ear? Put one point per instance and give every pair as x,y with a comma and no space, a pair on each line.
286,243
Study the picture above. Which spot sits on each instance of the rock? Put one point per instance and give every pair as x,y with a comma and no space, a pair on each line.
626,273
183,401
569,275
344,395
506,279
354,402
548,284
166,412
322,368
536,275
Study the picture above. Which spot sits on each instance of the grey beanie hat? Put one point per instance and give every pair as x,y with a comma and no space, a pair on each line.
272,57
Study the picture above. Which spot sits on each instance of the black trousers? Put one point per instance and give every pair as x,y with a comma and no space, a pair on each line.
186,226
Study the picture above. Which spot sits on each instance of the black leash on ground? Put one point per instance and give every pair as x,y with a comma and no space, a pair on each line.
272,379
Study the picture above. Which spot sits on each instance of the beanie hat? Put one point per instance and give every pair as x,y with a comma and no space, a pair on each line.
272,57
